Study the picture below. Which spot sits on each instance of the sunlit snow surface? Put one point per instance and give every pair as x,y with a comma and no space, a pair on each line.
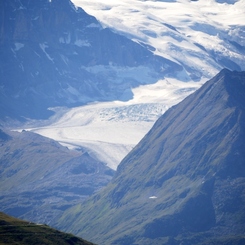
183,31
110,130
194,33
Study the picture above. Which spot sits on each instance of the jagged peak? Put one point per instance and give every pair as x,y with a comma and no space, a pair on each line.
233,83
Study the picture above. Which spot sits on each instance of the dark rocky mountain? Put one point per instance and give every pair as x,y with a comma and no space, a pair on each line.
54,54
20,232
184,183
39,178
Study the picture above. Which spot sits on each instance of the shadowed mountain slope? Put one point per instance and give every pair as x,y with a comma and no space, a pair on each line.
54,54
39,178
19,232
184,183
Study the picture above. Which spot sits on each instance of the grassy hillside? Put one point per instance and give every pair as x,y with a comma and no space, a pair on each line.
39,178
18,232
184,183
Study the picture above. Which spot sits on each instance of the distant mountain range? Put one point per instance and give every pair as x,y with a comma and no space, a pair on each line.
183,183
40,178
54,54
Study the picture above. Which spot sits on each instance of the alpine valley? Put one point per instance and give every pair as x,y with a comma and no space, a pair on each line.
151,89
56,56
184,183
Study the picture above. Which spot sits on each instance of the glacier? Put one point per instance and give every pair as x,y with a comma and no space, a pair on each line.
202,36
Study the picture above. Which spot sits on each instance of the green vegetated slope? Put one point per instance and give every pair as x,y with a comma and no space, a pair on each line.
18,232
39,178
184,183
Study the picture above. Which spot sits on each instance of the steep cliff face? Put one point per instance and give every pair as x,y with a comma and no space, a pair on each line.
184,182
54,54
34,21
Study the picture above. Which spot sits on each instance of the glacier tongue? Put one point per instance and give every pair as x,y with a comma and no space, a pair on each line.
110,130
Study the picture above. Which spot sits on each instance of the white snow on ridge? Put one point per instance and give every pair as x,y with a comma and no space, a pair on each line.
184,31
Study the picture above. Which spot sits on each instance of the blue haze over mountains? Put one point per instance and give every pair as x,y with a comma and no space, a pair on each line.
184,182
47,49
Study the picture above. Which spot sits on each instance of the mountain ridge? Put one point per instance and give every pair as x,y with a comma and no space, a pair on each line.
41,178
172,185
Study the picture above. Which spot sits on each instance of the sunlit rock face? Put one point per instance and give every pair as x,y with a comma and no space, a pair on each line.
54,54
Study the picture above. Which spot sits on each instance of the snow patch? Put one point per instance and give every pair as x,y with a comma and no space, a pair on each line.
43,46
66,39
82,43
18,46
153,197
93,25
